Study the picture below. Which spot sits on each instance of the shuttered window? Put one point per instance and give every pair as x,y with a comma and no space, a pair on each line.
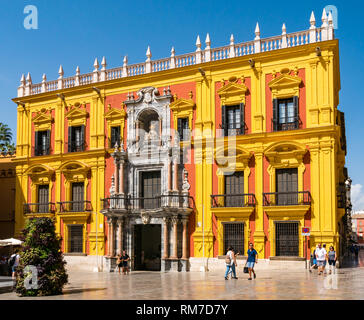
287,186
75,238
151,189
76,139
285,114
233,120
234,237
42,142
43,198
234,185
78,196
183,128
115,136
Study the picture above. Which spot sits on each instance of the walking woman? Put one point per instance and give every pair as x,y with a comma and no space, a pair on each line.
230,261
332,260
252,259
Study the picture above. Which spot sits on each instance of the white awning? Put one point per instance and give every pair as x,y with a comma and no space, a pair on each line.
10,242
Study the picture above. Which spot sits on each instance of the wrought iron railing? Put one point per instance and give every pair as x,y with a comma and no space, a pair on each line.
147,203
41,151
233,200
291,123
75,206
76,146
35,208
287,198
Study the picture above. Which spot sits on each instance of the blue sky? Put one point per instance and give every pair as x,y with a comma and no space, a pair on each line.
73,33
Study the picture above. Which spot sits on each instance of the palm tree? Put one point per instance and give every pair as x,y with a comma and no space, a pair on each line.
5,139
5,133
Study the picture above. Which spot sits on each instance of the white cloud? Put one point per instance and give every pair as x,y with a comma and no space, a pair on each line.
357,197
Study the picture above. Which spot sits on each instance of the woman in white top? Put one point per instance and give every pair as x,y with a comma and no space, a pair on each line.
230,263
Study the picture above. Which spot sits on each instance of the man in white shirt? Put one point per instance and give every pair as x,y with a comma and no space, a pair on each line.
321,256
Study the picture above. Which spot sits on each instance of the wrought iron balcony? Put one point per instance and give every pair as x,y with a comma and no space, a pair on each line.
232,200
291,123
36,208
75,206
41,151
76,146
118,202
287,198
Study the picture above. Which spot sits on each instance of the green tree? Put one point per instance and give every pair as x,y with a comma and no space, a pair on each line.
42,250
6,136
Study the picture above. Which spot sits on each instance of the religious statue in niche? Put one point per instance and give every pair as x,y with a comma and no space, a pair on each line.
152,134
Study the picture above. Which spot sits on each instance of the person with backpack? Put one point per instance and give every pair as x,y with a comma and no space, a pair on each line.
230,261
13,263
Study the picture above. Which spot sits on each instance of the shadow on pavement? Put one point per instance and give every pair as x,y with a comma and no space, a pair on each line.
79,290
352,261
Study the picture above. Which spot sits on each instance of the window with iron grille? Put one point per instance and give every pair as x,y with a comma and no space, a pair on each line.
183,128
75,236
234,237
233,120
115,136
42,142
285,114
287,239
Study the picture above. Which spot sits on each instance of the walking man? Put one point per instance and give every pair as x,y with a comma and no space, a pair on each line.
321,256
252,259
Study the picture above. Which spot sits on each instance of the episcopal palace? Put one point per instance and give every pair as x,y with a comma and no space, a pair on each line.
178,158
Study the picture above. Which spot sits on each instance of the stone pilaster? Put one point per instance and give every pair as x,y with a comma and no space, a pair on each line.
121,235
121,176
175,238
184,239
166,238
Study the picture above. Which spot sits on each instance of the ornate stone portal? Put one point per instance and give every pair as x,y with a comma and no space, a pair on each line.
132,204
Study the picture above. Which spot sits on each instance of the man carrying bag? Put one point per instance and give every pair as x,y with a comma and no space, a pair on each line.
252,259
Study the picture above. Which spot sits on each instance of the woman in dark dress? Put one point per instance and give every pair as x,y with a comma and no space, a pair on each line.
125,258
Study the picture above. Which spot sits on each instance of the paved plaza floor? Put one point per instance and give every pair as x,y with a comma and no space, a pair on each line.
348,283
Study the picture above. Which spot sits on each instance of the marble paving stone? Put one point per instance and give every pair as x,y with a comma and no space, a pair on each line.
348,283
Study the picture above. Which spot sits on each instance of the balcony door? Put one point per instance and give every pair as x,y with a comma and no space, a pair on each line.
234,190
286,187
43,198
78,196
150,189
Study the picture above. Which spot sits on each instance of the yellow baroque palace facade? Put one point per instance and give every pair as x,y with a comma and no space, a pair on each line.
176,159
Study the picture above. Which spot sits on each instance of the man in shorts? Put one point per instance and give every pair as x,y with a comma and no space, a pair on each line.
252,259
321,256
